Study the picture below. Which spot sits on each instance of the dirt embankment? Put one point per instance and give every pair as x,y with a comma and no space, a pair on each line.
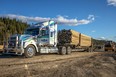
92,65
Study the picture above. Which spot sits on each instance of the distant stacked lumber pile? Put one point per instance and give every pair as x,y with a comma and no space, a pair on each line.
68,36
1,48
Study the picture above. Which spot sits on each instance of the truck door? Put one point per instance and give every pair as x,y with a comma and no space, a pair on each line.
43,39
53,34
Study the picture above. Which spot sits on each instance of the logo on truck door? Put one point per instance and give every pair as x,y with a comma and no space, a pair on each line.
44,40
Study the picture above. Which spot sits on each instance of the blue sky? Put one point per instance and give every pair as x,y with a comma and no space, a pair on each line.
95,18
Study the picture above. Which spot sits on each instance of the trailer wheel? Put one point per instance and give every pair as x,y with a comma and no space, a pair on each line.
89,49
29,51
68,50
62,50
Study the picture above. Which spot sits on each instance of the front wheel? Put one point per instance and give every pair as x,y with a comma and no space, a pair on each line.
29,51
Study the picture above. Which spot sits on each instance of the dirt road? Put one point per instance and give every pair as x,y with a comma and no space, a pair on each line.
78,64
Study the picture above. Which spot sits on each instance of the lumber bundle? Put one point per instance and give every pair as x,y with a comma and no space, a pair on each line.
85,40
74,38
68,36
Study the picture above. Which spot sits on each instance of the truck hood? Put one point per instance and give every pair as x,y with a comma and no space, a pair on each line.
25,37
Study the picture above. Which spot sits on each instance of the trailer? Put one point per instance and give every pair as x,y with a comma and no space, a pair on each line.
73,41
44,38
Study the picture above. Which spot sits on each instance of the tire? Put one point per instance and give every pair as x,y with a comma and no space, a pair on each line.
29,51
62,50
90,49
68,50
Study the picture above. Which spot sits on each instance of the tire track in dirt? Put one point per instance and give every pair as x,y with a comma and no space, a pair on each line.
53,60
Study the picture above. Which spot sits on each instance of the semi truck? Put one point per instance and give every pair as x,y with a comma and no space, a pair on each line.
44,38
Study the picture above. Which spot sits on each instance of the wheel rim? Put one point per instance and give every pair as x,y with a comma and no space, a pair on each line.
30,51
68,50
64,50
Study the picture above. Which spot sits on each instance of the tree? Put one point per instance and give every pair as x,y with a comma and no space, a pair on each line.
9,27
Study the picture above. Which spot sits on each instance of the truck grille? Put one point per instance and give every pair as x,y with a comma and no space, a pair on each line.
12,42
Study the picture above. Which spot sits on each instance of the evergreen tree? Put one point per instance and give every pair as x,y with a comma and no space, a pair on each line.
9,27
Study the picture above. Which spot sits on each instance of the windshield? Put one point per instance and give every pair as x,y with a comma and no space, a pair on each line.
33,32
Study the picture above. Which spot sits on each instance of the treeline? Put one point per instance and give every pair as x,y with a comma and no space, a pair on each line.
98,42
9,27
101,42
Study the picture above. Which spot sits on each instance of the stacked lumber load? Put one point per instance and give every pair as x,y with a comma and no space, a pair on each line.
85,40
74,38
68,37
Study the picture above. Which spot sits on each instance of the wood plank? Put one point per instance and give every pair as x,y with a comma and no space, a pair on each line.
85,40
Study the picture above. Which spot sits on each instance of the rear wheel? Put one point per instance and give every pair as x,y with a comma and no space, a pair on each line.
89,49
29,51
68,50
62,50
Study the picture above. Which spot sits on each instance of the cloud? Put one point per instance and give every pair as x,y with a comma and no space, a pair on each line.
91,17
114,37
93,31
59,19
102,38
25,18
62,20
111,38
111,2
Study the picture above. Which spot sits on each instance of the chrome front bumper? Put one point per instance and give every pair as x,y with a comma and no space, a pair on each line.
13,51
